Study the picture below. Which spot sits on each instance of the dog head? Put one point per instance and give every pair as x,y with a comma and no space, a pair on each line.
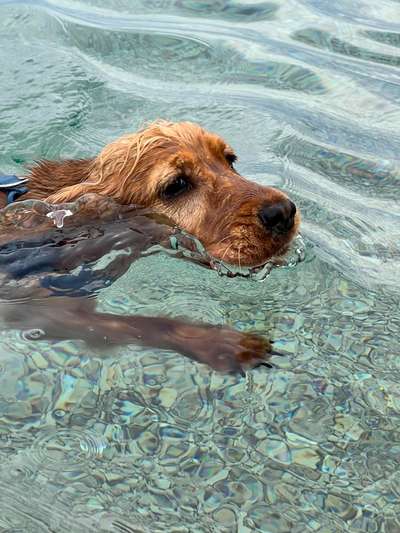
188,174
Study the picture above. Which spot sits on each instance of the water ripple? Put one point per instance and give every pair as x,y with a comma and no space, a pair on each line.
66,449
324,40
307,92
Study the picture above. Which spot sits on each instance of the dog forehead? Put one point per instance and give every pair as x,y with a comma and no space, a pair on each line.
182,158
189,160
214,145
197,140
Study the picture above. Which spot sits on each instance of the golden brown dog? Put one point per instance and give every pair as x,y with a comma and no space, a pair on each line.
187,174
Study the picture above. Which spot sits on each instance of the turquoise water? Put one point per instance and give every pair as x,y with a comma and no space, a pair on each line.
141,440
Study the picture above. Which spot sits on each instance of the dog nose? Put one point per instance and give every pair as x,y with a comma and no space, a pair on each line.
278,217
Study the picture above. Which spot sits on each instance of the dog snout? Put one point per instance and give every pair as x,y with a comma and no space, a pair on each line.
278,217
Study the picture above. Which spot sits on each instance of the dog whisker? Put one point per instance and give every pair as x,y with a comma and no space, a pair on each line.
240,266
226,251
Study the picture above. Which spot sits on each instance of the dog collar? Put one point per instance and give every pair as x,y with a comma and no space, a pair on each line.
13,187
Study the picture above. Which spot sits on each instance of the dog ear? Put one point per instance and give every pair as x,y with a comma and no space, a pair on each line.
71,193
109,174
49,178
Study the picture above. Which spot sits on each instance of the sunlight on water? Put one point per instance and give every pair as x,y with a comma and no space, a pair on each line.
110,439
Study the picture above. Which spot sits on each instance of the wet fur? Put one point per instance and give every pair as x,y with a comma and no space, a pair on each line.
221,209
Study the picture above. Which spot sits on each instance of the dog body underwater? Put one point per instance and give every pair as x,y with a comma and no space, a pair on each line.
131,196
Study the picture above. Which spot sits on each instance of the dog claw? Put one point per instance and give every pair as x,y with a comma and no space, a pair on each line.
274,352
264,363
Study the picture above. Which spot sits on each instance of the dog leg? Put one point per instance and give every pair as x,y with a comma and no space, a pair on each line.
222,348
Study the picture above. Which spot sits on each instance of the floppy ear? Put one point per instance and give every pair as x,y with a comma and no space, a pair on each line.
49,178
71,193
110,174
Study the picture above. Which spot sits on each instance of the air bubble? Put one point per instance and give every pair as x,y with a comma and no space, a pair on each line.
33,334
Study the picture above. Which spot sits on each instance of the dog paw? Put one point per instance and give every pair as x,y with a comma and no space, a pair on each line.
225,349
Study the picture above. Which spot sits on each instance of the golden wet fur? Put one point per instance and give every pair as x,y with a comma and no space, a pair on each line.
220,207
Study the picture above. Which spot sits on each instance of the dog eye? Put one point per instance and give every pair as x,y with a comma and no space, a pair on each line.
176,187
231,158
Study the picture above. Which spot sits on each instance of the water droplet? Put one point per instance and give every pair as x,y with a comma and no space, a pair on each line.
58,216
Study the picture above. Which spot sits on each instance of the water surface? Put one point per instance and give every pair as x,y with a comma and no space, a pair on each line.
140,440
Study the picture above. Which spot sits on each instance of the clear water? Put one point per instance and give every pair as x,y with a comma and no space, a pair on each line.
139,440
